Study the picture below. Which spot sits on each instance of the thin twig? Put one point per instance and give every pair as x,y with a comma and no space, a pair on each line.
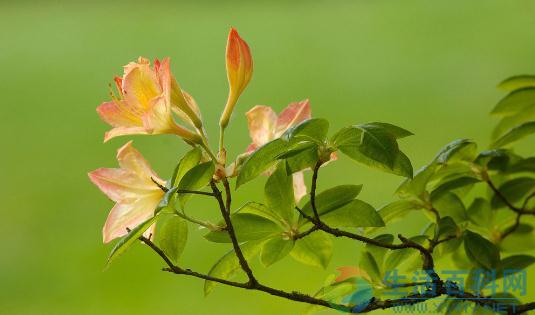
232,234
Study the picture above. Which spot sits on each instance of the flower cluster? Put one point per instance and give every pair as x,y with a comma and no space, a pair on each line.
148,101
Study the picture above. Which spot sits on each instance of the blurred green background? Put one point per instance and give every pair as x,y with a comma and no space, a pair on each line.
428,66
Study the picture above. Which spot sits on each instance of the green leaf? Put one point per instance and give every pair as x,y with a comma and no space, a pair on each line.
194,179
496,159
447,227
378,144
480,250
395,131
379,253
517,82
368,263
166,200
449,204
189,160
279,193
172,236
480,213
450,185
261,160
514,191
402,165
247,227
523,166
227,266
515,134
458,150
314,250
314,129
375,145
520,241
274,250
332,199
397,257
126,241
509,122
303,160
417,185
262,211
356,213
515,102
396,210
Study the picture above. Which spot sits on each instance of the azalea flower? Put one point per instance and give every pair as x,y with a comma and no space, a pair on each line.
265,125
133,188
239,72
148,97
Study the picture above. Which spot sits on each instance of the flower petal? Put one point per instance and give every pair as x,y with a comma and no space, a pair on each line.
130,159
123,131
120,184
116,114
140,85
261,121
292,115
300,189
129,214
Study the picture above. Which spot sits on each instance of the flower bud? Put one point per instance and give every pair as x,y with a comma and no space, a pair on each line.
239,72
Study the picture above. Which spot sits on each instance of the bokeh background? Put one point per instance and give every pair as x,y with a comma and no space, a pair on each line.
428,66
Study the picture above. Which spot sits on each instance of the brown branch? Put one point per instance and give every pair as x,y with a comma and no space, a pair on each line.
440,287
313,190
232,234
228,194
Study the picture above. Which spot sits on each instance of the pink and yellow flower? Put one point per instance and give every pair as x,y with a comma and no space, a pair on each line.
239,72
132,187
148,97
265,125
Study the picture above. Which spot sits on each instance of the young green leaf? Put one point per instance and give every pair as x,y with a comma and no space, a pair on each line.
189,160
515,102
331,199
517,82
274,250
458,150
314,130
126,241
515,134
194,179
227,266
279,193
172,237
261,160
356,213
248,227
508,122
314,250
417,185
481,251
